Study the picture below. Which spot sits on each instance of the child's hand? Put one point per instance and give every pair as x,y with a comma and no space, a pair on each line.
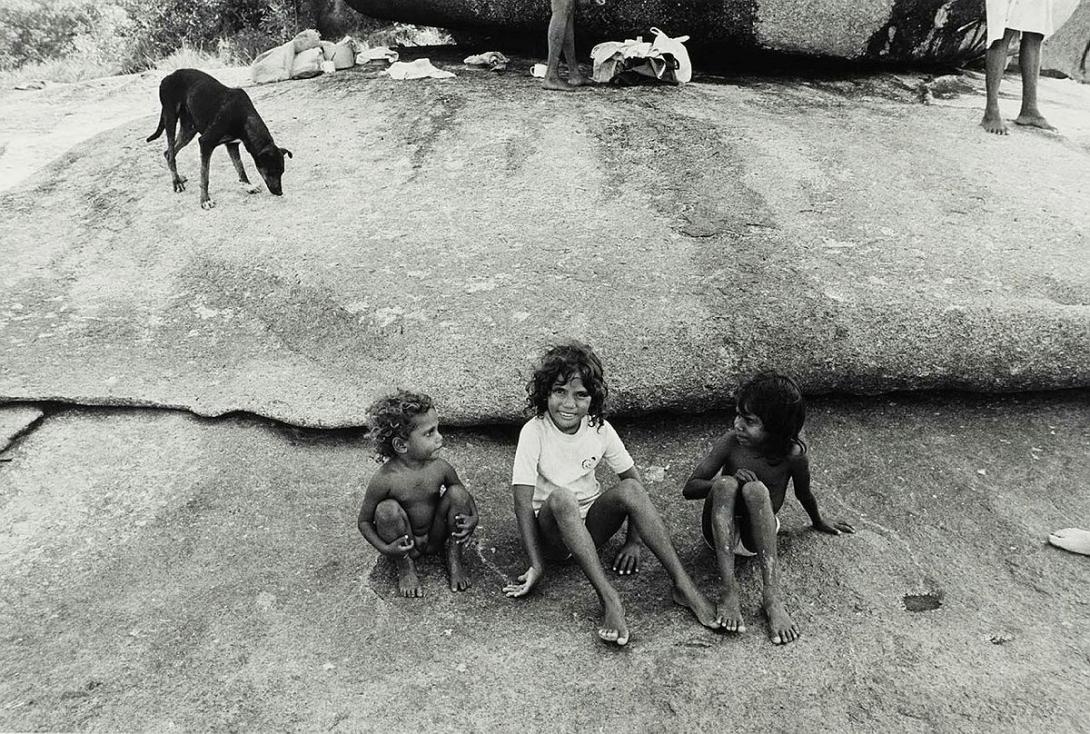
464,525
835,528
745,476
628,559
528,579
400,547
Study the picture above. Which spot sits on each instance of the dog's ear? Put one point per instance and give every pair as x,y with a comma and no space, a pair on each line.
286,152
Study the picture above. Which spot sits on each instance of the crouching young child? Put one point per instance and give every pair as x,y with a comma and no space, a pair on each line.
415,504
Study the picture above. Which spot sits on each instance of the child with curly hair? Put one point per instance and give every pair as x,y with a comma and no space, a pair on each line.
415,503
743,482
562,511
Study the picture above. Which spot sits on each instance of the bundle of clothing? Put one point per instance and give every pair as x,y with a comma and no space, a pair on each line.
308,55
633,61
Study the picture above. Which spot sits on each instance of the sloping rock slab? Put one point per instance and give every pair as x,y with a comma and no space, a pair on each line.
436,235
147,553
889,30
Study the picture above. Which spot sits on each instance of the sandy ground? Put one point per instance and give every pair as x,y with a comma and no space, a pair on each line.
162,572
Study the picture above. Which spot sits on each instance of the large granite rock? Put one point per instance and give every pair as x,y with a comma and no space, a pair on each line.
1067,50
436,235
894,30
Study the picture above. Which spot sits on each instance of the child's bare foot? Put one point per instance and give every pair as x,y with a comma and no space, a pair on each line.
993,123
730,610
1034,120
614,628
556,84
780,625
459,579
407,582
699,605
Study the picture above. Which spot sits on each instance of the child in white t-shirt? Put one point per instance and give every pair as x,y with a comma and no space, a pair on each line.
562,511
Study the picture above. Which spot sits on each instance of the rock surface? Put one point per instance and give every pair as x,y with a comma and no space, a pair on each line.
437,234
15,420
1066,50
886,30
164,572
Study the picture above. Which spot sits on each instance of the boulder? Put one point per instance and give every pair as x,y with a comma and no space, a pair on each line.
1067,51
893,30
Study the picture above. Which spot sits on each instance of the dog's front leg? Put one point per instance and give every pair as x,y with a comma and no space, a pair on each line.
206,156
232,150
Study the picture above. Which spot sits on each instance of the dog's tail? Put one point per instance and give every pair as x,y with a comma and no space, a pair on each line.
159,130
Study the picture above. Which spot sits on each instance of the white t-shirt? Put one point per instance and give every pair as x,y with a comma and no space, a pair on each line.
547,458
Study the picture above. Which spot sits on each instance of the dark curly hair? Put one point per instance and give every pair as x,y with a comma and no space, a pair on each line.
392,416
777,400
561,363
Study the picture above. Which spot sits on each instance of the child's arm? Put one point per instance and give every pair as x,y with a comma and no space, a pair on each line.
464,525
524,513
700,481
375,493
800,479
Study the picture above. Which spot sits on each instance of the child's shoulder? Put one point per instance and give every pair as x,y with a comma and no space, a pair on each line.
798,456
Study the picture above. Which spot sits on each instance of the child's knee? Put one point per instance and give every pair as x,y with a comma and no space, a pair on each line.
631,491
755,492
724,490
562,503
390,515
458,500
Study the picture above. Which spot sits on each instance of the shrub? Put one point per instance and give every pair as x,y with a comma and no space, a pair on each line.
32,31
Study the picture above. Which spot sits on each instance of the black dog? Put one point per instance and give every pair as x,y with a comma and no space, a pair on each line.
221,115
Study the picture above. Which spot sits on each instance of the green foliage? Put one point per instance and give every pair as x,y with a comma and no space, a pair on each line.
131,35
67,40
162,26
36,30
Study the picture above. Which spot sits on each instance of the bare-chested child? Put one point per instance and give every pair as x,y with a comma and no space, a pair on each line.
561,510
1034,20
743,482
406,512
562,39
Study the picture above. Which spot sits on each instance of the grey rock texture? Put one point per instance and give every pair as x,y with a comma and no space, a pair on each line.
437,235
15,420
165,572
886,30
1066,50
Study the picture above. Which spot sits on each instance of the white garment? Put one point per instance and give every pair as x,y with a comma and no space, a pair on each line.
419,69
1034,16
547,458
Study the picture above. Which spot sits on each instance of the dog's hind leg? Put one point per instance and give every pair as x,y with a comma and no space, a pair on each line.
206,156
188,130
236,159
170,117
